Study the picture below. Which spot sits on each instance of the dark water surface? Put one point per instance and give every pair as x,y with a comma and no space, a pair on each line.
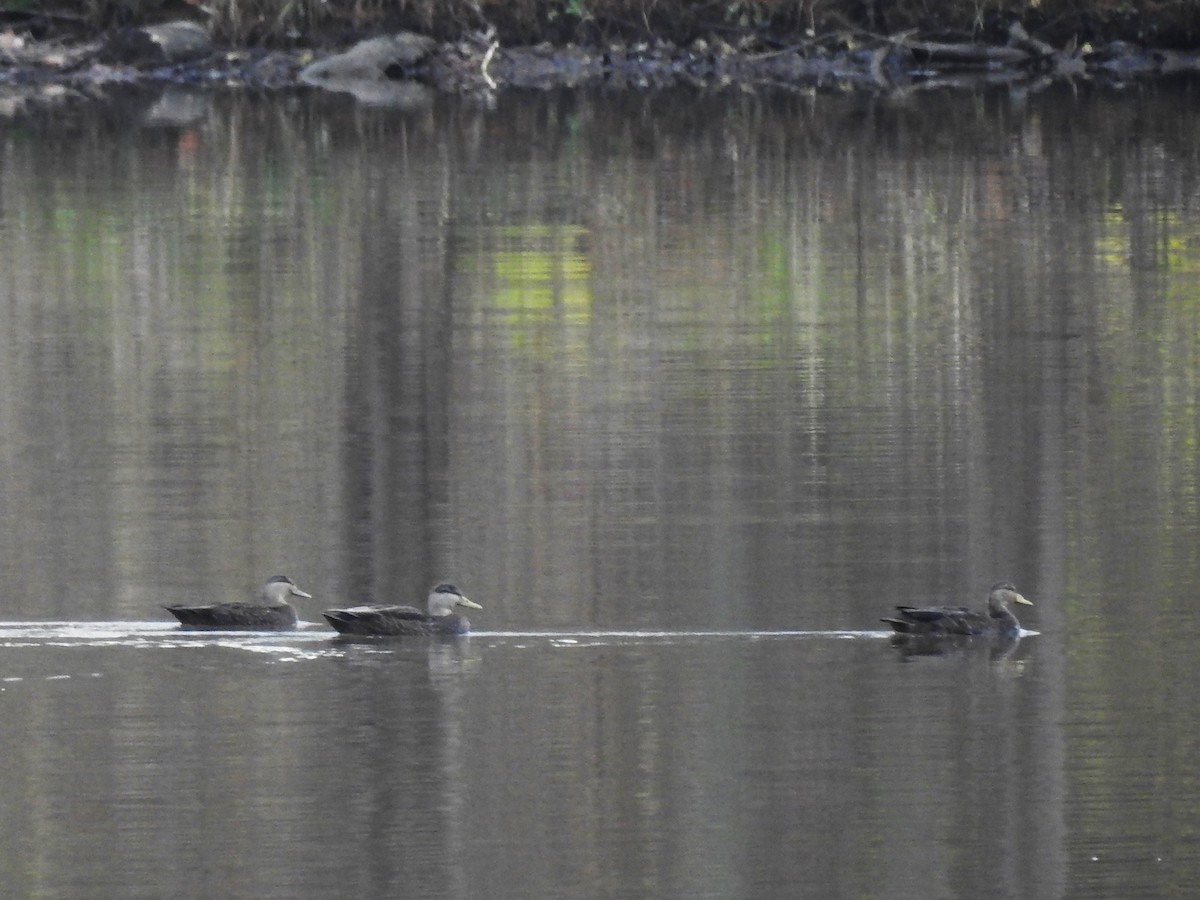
523,765
686,390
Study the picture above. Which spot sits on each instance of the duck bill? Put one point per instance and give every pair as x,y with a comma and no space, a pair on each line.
1017,598
296,592
469,604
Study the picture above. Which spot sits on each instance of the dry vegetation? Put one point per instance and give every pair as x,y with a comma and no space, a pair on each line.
1158,23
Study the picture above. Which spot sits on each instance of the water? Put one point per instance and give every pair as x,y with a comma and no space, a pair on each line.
686,390
589,764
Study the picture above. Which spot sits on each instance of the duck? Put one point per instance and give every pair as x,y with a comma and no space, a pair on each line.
272,612
958,621
399,621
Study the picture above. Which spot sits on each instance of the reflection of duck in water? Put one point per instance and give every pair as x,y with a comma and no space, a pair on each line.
396,621
958,621
271,613
914,645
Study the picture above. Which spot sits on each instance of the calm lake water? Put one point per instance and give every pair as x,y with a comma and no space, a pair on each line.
686,389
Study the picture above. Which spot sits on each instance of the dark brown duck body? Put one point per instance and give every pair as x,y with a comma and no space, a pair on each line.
406,621
273,612
958,621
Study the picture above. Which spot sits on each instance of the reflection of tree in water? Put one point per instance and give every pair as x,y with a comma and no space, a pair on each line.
396,394
403,769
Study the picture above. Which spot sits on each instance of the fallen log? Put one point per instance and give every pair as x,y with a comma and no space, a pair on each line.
967,53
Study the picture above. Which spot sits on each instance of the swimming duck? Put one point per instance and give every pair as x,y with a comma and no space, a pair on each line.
930,621
271,613
407,620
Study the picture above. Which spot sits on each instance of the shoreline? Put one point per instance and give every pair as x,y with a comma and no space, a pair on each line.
386,70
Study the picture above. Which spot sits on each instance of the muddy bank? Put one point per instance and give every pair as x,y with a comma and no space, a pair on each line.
387,69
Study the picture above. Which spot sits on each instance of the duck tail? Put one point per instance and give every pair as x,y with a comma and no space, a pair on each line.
338,618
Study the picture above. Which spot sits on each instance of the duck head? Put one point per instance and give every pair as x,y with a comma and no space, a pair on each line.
444,597
277,590
1002,594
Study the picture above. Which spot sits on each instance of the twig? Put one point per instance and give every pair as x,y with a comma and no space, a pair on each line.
487,61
